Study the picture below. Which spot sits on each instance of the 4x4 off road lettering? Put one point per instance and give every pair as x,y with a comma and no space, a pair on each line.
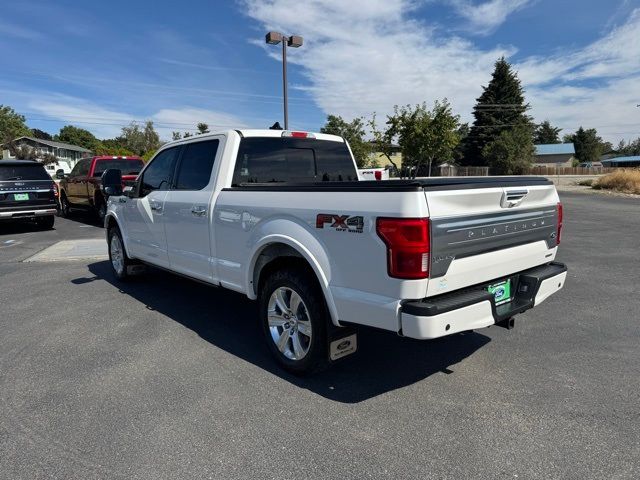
342,223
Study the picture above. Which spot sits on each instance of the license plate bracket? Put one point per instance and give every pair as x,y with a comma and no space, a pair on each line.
501,291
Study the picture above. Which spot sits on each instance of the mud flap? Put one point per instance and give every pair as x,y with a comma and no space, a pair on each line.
343,341
136,269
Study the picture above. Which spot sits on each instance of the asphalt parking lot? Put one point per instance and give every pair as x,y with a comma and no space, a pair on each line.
167,378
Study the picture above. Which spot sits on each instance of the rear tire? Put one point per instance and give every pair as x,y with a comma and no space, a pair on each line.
294,320
46,223
118,258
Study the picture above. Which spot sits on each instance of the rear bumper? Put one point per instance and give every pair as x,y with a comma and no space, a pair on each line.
27,213
473,308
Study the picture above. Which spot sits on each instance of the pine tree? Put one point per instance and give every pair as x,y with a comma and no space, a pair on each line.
546,133
500,107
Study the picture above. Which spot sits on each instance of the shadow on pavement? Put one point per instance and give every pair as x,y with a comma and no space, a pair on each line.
228,320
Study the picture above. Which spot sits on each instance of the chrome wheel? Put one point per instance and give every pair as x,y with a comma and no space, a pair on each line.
117,254
289,323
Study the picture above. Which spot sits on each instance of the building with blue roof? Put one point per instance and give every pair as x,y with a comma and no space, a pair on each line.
632,161
554,155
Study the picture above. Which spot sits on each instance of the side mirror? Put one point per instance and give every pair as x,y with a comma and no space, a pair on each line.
60,174
111,182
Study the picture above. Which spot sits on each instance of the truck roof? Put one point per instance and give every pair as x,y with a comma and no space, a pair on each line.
250,132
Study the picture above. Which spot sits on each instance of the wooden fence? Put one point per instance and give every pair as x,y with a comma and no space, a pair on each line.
454,171
571,170
451,171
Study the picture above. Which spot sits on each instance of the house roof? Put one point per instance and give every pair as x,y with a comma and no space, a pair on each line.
51,143
634,158
555,149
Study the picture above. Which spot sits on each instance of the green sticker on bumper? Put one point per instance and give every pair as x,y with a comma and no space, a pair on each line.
501,291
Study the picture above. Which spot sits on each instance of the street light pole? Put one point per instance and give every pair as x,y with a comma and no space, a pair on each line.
295,41
284,83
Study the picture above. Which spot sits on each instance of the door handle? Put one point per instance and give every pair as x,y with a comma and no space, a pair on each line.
122,199
199,211
156,207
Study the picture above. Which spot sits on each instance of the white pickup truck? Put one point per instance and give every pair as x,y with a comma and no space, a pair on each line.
281,217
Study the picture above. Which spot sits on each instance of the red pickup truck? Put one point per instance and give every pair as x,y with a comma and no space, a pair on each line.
80,190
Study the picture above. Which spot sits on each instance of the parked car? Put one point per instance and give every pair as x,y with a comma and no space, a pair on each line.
27,193
80,190
590,164
282,218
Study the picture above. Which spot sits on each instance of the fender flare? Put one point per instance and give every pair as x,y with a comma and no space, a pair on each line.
321,271
125,239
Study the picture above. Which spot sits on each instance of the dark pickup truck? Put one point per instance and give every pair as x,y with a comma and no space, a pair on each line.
27,192
80,190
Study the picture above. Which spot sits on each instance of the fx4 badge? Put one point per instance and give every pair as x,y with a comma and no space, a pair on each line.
342,223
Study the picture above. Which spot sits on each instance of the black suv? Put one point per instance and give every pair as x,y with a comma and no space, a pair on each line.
27,192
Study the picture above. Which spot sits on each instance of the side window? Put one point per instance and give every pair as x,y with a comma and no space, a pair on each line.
196,164
76,169
84,167
157,176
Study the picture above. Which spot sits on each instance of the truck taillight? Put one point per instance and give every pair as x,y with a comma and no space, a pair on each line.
56,191
559,232
407,241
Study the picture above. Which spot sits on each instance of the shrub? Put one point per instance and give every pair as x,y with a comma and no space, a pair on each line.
585,183
625,181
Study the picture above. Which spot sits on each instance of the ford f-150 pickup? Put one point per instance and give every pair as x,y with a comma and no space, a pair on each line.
80,190
281,217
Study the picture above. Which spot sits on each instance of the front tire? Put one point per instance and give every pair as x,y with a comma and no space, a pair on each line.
101,209
294,319
65,208
118,258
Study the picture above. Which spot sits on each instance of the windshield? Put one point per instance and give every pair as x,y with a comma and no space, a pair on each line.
126,166
23,172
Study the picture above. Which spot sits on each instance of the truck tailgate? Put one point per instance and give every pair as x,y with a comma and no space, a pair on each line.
480,234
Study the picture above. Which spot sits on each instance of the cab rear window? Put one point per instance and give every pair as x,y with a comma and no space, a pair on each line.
23,172
292,160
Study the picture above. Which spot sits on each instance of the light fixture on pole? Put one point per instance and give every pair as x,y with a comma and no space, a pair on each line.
295,41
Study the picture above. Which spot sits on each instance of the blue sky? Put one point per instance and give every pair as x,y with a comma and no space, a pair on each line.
100,65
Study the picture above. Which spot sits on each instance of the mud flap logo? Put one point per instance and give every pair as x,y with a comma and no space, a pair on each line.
341,223
343,346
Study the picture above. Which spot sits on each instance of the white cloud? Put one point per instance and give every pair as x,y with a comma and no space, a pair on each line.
367,55
485,17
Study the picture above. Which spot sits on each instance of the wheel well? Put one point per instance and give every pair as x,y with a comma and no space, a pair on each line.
111,223
277,256
97,199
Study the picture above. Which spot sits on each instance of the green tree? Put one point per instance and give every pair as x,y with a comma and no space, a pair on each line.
500,107
12,125
176,135
112,146
630,148
41,134
140,140
587,143
24,152
511,153
383,141
202,128
77,136
353,132
426,137
546,133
